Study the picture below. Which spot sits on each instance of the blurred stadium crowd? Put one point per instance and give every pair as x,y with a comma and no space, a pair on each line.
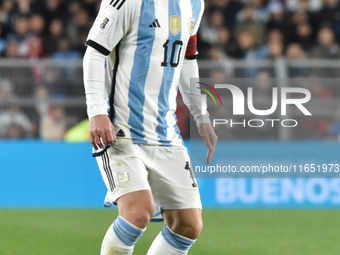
237,29
263,29
45,28
230,29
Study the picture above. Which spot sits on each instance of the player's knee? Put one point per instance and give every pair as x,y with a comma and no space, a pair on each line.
141,216
189,228
144,216
196,229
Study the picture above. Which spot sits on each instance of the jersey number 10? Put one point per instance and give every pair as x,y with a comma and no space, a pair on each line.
176,47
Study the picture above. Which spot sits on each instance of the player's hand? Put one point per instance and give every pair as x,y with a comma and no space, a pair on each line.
208,134
101,131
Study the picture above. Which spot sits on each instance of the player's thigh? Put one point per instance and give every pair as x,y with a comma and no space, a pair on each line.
122,170
172,180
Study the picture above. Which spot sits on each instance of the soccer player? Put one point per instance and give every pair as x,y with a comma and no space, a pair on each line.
139,52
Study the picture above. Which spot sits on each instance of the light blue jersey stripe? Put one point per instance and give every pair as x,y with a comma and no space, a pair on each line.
173,47
140,69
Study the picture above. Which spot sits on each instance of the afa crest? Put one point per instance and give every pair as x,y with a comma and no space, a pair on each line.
191,24
175,24
123,177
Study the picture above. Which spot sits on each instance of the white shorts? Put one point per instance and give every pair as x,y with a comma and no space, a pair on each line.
164,170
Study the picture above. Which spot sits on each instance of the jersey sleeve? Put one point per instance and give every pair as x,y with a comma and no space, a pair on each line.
197,9
112,23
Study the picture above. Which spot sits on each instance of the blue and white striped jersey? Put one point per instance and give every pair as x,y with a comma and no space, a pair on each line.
146,42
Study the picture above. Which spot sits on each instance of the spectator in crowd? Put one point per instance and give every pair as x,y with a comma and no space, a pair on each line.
14,131
37,25
6,93
248,51
91,7
77,29
21,34
11,50
41,100
295,51
263,96
276,18
21,78
53,125
35,47
274,35
302,17
275,49
226,41
216,53
209,33
312,5
6,8
55,83
23,9
218,76
246,41
263,87
56,32
229,8
14,117
326,46
64,51
304,36
75,7
54,9
251,23
258,13
329,15
2,40
6,89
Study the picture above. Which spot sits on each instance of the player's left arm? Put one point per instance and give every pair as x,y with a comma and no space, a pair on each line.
191,94
192,98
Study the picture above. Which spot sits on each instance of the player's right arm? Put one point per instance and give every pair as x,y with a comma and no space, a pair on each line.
110,26
100,126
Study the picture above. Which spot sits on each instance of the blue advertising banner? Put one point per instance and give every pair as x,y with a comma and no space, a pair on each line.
270,193
60,174
49,174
